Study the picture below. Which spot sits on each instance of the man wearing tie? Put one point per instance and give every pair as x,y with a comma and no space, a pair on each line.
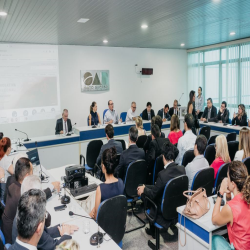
174,109
63,125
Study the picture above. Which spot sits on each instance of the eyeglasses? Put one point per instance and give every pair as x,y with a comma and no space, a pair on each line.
111,104
133,107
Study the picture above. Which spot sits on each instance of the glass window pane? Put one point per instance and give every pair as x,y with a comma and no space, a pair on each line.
212,83
212,56
245,85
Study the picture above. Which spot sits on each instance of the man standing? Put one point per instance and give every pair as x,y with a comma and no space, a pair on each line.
209,112
111,116
63,125
164,114
174,109
131,116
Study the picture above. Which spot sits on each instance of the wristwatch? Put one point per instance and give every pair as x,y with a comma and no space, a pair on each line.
219,194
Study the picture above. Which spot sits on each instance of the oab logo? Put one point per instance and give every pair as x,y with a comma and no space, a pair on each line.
89,80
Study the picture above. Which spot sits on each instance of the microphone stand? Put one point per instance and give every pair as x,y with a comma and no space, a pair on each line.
180,99
65,198
41,176
25,134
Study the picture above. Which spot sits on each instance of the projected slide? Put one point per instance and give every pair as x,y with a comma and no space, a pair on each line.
29,85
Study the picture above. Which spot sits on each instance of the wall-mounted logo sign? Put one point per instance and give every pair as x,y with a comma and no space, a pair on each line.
94,80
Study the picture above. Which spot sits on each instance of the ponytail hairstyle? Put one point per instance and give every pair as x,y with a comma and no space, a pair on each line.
92,106
4,145
109,160
238,173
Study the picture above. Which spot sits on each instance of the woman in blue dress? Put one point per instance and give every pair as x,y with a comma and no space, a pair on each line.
94,118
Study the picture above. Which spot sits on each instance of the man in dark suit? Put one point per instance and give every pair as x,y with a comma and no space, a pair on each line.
156,147
109,130
164,114
148,113
210,111
223,114
174,109
155,192
31,213
63,125
158,121
133,153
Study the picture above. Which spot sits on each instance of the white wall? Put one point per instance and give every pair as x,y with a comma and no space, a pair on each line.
167,83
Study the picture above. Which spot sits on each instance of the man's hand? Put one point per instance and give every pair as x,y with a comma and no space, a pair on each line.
140,190
64,229
164,119
61,132
111,121
1,173
73,228
134,118
56,185
197,112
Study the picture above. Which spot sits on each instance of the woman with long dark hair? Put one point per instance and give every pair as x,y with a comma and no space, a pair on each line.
94,117
191,110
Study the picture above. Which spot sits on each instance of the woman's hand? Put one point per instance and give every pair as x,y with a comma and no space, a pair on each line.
92,213
224,187
234,115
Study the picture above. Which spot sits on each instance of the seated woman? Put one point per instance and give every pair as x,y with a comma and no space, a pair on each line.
139,126
244,145
175,132
94,118
240,118
112,186
236,213
222,155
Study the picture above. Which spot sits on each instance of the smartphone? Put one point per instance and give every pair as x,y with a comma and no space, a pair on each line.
222,201
60,208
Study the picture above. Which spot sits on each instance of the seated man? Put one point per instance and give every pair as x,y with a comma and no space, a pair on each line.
131,116
155,192
31,211
109,130
63,125
174,109
223,114
156,147
187,141
199,162
148,113
158,121
164,114
210,111
133,153
47,240
111,115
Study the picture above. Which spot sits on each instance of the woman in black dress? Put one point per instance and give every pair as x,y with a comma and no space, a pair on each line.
240,118
191,110
94,117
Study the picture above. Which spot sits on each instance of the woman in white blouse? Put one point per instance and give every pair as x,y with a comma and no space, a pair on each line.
244,145
139,126
199,102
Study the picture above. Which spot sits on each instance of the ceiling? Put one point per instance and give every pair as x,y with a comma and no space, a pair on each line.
170,22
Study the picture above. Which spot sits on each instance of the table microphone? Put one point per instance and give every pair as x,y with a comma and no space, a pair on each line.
23,133
41,176
97,238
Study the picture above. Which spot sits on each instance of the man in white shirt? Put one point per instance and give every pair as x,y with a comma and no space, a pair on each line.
131,116
199,162
111,116
187,141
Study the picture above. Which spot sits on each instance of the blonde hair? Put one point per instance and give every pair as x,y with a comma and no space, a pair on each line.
222,148
138,122
68,245
244,142
175,123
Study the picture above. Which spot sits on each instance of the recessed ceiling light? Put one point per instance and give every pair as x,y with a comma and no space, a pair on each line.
3,13
105,41
232,33
182,44
83,20
144,26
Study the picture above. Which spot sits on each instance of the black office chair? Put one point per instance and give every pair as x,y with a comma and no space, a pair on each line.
205,131
246,161
233,147
158,167
111,217
141,141
205,179
209,153
212,140
221,174
123,143
172,198
187,157
136,174
231,137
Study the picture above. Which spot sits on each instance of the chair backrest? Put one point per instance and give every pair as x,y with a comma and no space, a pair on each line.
93,150
2,237
231,137
233,147
136,174
209,153
246,161
187,157
111,217
104,112
205,131
123,143
141,141
230,121
82,160
205,179
173,196
123,116
158,167
212,140
222,173
140,114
